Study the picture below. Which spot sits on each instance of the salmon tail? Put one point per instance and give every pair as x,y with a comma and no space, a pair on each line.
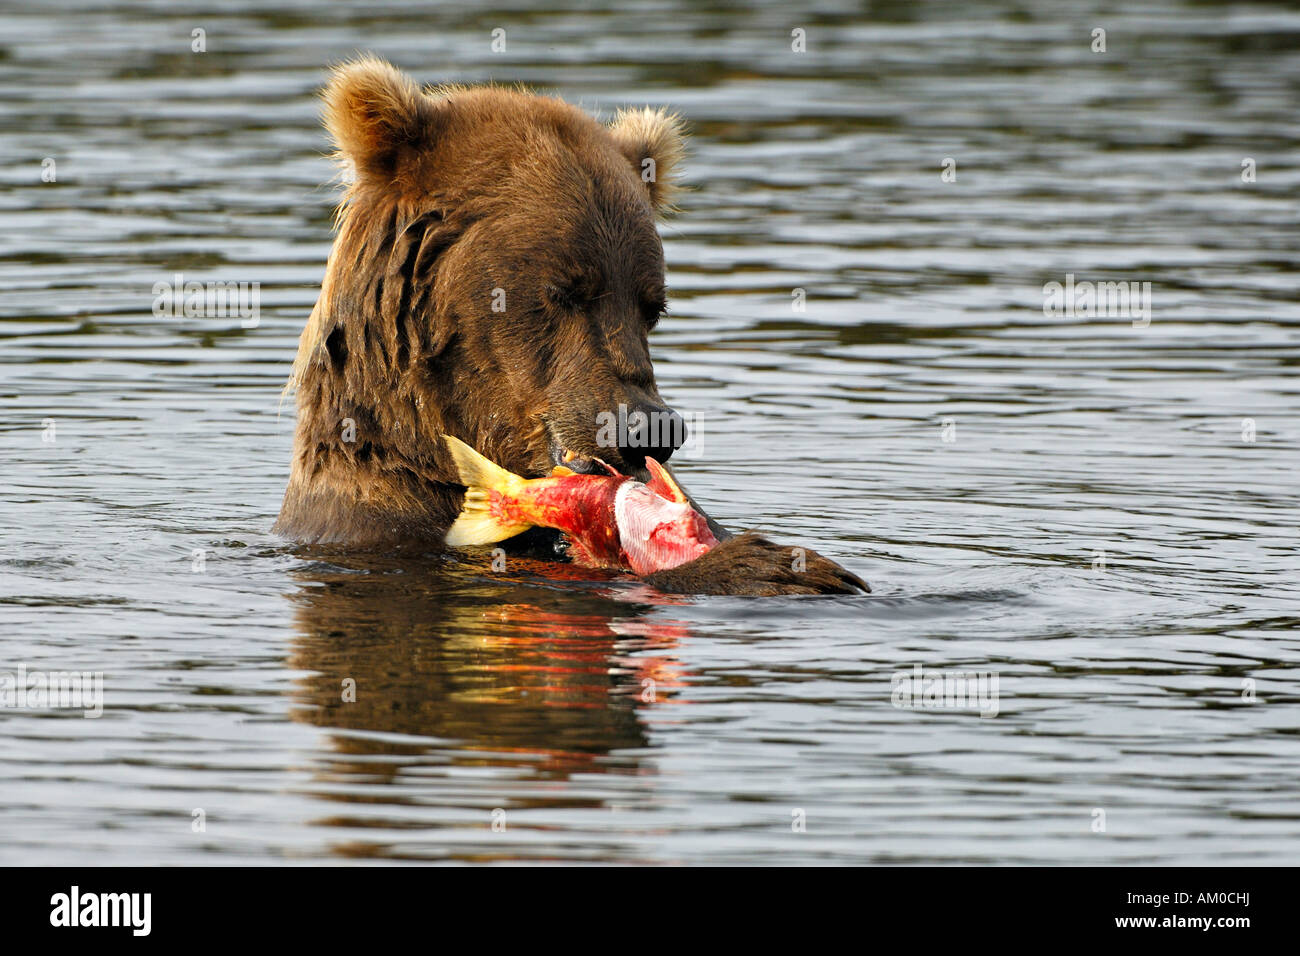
476,523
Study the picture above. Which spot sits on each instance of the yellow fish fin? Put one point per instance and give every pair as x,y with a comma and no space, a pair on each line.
476,523
662,483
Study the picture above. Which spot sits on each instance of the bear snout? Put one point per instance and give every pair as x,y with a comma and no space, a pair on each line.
653,431
623,436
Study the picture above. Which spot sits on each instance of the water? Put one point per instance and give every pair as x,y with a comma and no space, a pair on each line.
1099,531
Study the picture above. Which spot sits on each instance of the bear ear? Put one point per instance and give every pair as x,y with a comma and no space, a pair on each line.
372,110
654,142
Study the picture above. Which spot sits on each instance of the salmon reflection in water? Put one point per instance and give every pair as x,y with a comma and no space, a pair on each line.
491,679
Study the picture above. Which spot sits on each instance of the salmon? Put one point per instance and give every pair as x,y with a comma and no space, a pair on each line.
612,520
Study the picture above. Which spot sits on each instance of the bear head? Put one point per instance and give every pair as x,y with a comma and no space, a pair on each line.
495,276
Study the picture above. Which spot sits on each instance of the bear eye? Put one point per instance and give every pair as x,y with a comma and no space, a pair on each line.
652,310
565,296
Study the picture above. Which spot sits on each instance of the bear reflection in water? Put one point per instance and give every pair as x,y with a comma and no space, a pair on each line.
489,669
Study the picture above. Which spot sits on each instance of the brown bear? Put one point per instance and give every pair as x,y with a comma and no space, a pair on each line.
495,276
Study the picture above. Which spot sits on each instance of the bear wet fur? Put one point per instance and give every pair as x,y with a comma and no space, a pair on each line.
496,274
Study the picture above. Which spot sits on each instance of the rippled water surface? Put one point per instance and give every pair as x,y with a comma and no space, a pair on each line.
1104,515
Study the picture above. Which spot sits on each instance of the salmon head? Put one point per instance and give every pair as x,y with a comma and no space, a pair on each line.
657,527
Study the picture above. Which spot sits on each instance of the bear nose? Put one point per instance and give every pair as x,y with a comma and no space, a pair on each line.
653,431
